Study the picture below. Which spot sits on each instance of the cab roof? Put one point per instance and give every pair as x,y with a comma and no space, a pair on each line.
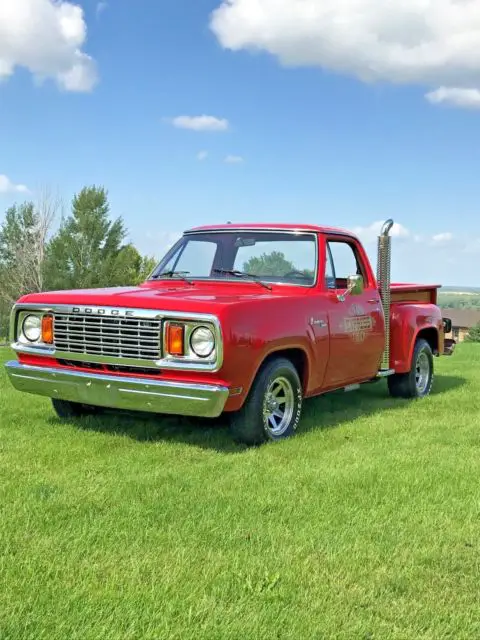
272,226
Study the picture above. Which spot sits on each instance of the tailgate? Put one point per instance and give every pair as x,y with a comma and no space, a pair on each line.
426,294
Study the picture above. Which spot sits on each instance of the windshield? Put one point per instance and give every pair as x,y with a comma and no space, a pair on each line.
270,256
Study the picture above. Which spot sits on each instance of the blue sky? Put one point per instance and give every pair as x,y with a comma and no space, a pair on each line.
307,143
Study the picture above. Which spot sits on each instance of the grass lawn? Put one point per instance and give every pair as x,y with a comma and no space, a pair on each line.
364,526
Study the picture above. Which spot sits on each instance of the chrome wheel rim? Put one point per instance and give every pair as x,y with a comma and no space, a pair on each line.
278,406
422,373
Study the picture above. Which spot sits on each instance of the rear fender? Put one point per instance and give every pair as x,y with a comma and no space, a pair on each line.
431,335
410,322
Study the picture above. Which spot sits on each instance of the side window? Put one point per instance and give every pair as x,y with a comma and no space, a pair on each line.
343,263
329,271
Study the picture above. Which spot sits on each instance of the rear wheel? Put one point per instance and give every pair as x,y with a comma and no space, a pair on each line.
418,382
66,409
273,408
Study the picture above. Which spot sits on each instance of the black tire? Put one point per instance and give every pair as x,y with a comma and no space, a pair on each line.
66,409
249,425
415,384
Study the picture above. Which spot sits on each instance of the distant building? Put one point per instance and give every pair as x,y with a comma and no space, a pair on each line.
462,321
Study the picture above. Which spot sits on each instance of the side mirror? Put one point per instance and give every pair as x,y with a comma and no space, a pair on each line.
447,325
355,287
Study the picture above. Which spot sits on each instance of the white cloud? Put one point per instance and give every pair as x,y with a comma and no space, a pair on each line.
202,155
101,7
46,37
442,238
468,98
233,160
444,258
7,186
371,232
434,43
200,123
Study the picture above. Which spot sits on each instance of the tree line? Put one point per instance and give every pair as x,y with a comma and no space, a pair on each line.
88,248
458,301
474,334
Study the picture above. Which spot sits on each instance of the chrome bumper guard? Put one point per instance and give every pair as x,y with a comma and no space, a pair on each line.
133,394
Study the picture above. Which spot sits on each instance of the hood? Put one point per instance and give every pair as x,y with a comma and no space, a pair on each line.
182,297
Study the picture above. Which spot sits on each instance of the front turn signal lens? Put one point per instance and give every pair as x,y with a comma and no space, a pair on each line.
47,329
176,339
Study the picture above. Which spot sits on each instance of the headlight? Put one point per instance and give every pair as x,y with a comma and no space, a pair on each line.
32,328
202,342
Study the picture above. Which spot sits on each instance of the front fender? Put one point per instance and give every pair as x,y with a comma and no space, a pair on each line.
254,333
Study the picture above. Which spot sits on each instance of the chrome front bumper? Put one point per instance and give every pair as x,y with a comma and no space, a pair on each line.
134,394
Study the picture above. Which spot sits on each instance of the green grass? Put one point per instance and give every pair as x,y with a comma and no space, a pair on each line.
366,525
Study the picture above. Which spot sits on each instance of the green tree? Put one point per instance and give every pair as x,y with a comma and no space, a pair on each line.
22,249
273,264
147,265
88,250
269,264
474,334
130,267
16,231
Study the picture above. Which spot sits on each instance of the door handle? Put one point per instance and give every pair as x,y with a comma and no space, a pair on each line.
318,323
374,301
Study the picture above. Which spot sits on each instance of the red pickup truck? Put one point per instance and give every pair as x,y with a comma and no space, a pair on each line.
247,320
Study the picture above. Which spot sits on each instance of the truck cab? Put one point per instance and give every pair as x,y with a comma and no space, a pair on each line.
243,320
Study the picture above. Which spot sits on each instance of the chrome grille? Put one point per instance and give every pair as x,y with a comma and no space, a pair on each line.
100,335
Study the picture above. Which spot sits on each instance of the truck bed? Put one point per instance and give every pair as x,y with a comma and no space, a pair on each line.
416,293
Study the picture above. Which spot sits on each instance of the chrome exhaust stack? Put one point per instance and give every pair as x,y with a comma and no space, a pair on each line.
383,282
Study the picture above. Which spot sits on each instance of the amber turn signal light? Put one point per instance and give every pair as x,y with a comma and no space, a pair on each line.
175,339
47,329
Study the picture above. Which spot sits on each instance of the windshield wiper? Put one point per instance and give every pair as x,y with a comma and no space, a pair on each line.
243,274
173,274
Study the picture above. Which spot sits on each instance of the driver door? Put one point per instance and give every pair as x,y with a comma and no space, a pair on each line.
357,323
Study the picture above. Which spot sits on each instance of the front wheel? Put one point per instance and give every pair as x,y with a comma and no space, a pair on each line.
418,382
274,405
